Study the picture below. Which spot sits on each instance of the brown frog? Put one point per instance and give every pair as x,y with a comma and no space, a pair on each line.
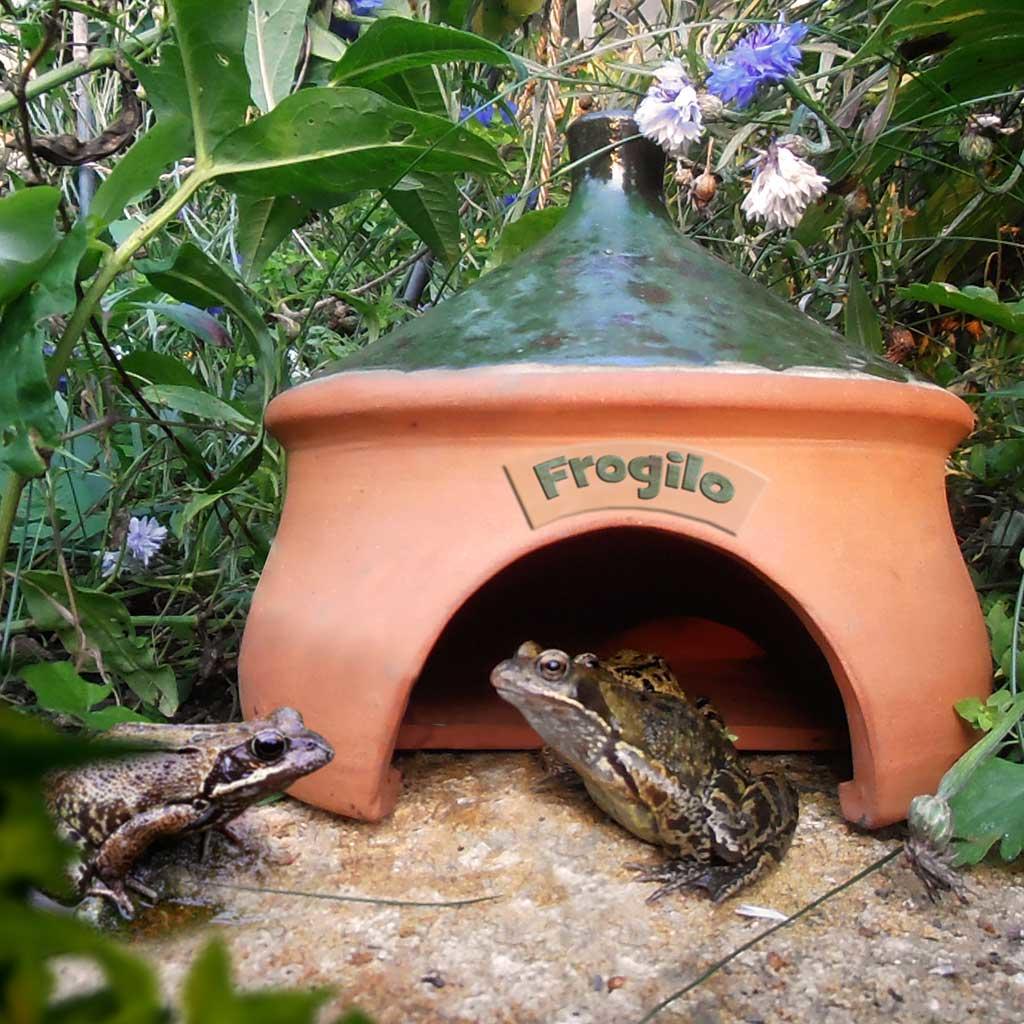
663,768
194,777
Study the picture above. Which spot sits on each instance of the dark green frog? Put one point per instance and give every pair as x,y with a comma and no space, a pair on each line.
662,767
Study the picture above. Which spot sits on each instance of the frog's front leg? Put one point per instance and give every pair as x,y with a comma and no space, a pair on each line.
108,871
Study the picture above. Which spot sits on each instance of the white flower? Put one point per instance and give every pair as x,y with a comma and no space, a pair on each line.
784,186
145,536
670,113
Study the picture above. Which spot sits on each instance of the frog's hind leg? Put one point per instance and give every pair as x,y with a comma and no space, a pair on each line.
720,881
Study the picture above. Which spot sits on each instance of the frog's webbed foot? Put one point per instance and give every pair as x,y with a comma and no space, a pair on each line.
146,892
675,875
720,881
114,892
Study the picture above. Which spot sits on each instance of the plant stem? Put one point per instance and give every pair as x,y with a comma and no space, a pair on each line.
114,265
101,58
117,262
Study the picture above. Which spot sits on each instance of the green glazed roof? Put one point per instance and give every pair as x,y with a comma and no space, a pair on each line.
615,284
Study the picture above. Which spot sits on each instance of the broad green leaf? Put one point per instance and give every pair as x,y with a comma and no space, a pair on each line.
273,42
432,211
101,636
941,22
163,83
265,222
520,235
195,403
211,37
209,995
392,45
130,994
28,237
139,169
980,302
862,326
989,810
191,276
27,412
160,368
325,44
497,18
332,140
58,687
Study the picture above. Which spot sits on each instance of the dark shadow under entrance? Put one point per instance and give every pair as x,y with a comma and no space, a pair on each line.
727,634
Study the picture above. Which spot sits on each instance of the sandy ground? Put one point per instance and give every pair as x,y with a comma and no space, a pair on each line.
566,937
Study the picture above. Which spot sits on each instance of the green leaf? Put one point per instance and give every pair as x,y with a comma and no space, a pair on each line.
273,42
196,321
28,237
162,83
209,995
191,276
862,326
944,21
211,37
520,235
139,169
129,995
160,368
982,303
195,403
58,687
28,416
497,18
392,45
244,467
264,222
101,637
432,211
324,44
334,140
989,810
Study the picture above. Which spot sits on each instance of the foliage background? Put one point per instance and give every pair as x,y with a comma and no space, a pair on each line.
155,299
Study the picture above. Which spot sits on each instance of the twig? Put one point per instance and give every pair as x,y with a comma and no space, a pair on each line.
21,88
719,964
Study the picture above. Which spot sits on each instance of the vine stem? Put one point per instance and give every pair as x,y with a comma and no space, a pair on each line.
118,261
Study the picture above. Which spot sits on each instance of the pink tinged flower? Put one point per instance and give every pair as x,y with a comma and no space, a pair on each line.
670,113
784,186
145,537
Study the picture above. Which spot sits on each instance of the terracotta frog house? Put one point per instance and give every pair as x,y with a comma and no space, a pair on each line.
618,441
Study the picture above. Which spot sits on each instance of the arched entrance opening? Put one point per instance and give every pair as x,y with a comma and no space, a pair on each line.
727,633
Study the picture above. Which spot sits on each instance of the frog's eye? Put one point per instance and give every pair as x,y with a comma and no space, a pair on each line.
553,665
268,745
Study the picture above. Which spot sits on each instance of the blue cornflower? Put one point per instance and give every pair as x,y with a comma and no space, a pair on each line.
485,115
531,199
768,53
362,8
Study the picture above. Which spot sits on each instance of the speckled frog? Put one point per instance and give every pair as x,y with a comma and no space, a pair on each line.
195,777
660,765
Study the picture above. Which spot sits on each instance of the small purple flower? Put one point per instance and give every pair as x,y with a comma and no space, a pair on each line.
145,537
485,115
361,8
511,197
768,53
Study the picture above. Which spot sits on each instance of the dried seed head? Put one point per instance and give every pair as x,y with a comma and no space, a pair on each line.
901,345
711,107
857,201
703,189
586,102
974,147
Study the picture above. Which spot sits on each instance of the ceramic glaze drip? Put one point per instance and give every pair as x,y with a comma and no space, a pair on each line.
616,285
